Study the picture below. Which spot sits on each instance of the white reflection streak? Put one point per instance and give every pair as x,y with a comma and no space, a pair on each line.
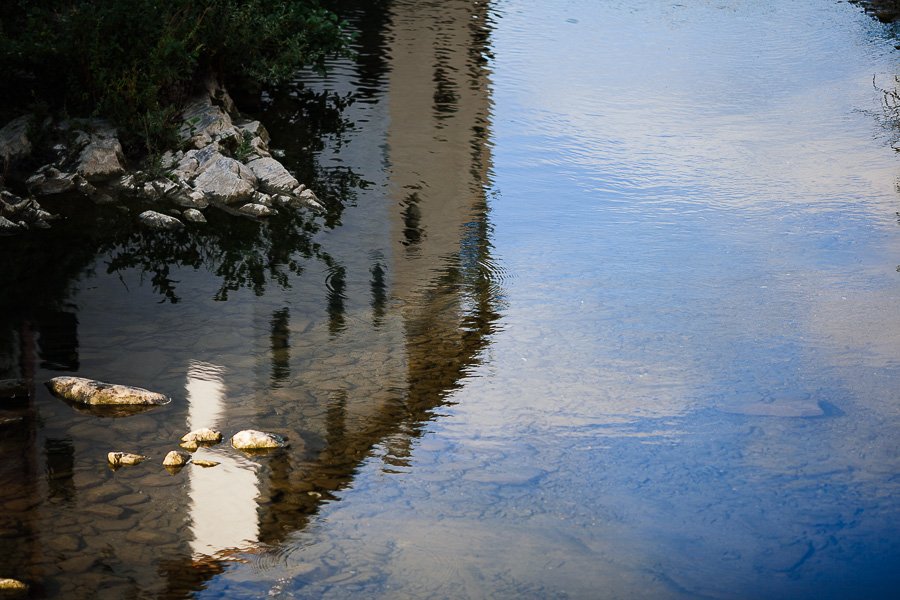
223,498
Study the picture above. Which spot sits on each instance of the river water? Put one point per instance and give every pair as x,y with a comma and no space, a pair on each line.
604,305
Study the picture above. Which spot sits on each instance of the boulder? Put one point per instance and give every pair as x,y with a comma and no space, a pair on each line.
256,210
119,459
250,439
159,221
14,142
97,393
225,180
273,177
192,215
176,459
101,159
204,435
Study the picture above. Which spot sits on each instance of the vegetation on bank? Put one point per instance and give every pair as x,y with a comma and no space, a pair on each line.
136,61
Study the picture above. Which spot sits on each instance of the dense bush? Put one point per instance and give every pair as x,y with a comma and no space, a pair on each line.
135,61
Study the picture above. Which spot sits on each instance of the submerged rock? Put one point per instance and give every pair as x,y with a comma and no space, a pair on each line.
250,439
159,221
204,435
176,459
200,462
97,393
780,407
13,388
118,459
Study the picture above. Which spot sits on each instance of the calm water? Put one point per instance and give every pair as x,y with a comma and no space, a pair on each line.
604,306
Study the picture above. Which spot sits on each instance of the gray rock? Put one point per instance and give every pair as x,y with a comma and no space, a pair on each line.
176,459
192,215
48,181
101,159
256,210
251,439
225,180
308,198
7,227
255,129
97,393
13,388
273,177
203,435
119,459
14,142
159,221
205,123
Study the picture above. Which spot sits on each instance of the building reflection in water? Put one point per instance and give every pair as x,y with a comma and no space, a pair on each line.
220,520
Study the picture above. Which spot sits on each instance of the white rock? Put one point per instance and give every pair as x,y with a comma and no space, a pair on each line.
205,435
250,439
118,459
89,391
159,221
192,215
176,459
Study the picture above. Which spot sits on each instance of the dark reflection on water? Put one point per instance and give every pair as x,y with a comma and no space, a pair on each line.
329,331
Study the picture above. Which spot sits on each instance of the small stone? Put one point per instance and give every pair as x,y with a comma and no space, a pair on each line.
250,439
205,463
190,446
13,585
176,459
256,210
88,391
159,221
192,215
204,435
118,459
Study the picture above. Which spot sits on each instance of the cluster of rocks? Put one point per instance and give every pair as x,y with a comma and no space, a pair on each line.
223,163
98,393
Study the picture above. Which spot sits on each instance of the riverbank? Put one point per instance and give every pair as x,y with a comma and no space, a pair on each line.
222,161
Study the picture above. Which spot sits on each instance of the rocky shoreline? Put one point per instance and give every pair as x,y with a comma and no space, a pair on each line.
222,162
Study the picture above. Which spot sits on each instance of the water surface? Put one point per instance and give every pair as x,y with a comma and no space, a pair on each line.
603,306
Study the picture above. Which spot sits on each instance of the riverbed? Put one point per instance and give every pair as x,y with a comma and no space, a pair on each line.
603,305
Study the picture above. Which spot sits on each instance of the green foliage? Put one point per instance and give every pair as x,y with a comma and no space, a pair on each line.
136,61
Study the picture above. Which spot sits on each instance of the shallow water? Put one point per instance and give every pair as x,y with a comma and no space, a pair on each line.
604,306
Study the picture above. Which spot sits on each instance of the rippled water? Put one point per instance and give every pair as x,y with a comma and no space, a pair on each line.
603,306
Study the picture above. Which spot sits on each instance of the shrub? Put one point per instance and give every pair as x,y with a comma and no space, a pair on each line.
136,61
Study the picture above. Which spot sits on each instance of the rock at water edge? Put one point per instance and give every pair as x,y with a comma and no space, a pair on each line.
250,439
118,459
176,459
159,221
204,435
97,393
